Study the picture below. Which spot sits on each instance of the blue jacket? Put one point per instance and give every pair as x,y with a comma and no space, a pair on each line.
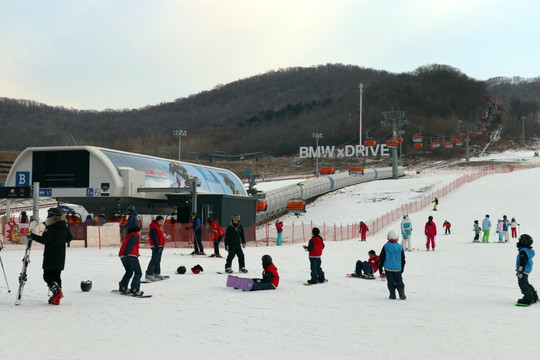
392,257
486,224
406,228
525,259
506,224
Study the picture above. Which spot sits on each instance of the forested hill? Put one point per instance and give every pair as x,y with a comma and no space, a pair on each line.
277,112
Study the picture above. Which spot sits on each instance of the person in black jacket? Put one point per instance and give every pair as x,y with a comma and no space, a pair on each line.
55,237
234,242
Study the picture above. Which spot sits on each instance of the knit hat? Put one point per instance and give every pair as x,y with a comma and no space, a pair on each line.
392,236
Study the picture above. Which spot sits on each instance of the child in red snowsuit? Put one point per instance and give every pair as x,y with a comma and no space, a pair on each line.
430,230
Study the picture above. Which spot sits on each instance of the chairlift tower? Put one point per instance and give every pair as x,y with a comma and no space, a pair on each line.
394,119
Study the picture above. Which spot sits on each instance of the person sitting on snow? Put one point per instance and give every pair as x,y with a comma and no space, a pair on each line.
368,267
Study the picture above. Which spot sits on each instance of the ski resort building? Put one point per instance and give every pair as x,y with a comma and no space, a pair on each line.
108,181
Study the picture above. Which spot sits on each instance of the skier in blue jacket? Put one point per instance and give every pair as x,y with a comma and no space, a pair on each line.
524,264
392,259
406,233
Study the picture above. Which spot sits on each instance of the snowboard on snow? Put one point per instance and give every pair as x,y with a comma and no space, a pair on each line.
308,284
362,277
143,296
149,282
239,283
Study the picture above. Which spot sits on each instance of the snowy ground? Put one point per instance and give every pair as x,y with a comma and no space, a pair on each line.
460,298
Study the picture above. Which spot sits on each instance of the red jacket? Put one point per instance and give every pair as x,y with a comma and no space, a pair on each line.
373,262
156,234
447,224
315,246
274,277
130,246
217,230
364,229
279,227
430,229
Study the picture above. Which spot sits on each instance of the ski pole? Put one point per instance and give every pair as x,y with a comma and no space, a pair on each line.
5,277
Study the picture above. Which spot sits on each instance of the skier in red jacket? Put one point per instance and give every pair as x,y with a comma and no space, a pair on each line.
217,233
430,230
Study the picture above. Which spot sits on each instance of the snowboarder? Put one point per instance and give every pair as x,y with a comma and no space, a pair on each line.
363,231
55,237
524,264
476,229
513,225
235,241
368,268
129,255
315,248
506,226
269,281
431,231
197,240
447,227
436,202
392,260
486,226
217,233
157,244
406,233
279,229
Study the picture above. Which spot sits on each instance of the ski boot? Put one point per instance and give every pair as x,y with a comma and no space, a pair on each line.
136,292
56,294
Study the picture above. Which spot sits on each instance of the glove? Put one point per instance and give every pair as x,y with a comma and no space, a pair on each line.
227,247
519,272
243,246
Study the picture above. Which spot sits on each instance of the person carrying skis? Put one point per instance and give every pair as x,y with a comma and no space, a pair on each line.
476,229
279,229
129,255
235,241
392,260
431,231
447,227
315,248
363,231
513,225
197,240
217,234
157,243
406,233
486,226
368,267
55,237
524,264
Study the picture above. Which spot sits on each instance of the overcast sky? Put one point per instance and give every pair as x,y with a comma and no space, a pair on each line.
131,53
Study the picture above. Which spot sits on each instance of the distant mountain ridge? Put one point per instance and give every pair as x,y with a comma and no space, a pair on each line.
277,112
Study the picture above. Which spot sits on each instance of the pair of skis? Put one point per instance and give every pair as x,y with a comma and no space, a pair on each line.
26,261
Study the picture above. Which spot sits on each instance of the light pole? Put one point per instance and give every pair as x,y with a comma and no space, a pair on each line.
179,133
317,136
360,133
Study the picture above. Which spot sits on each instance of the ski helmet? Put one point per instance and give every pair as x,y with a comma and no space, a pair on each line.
392,236
197,269
86,285
181,270
266,260
524,241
